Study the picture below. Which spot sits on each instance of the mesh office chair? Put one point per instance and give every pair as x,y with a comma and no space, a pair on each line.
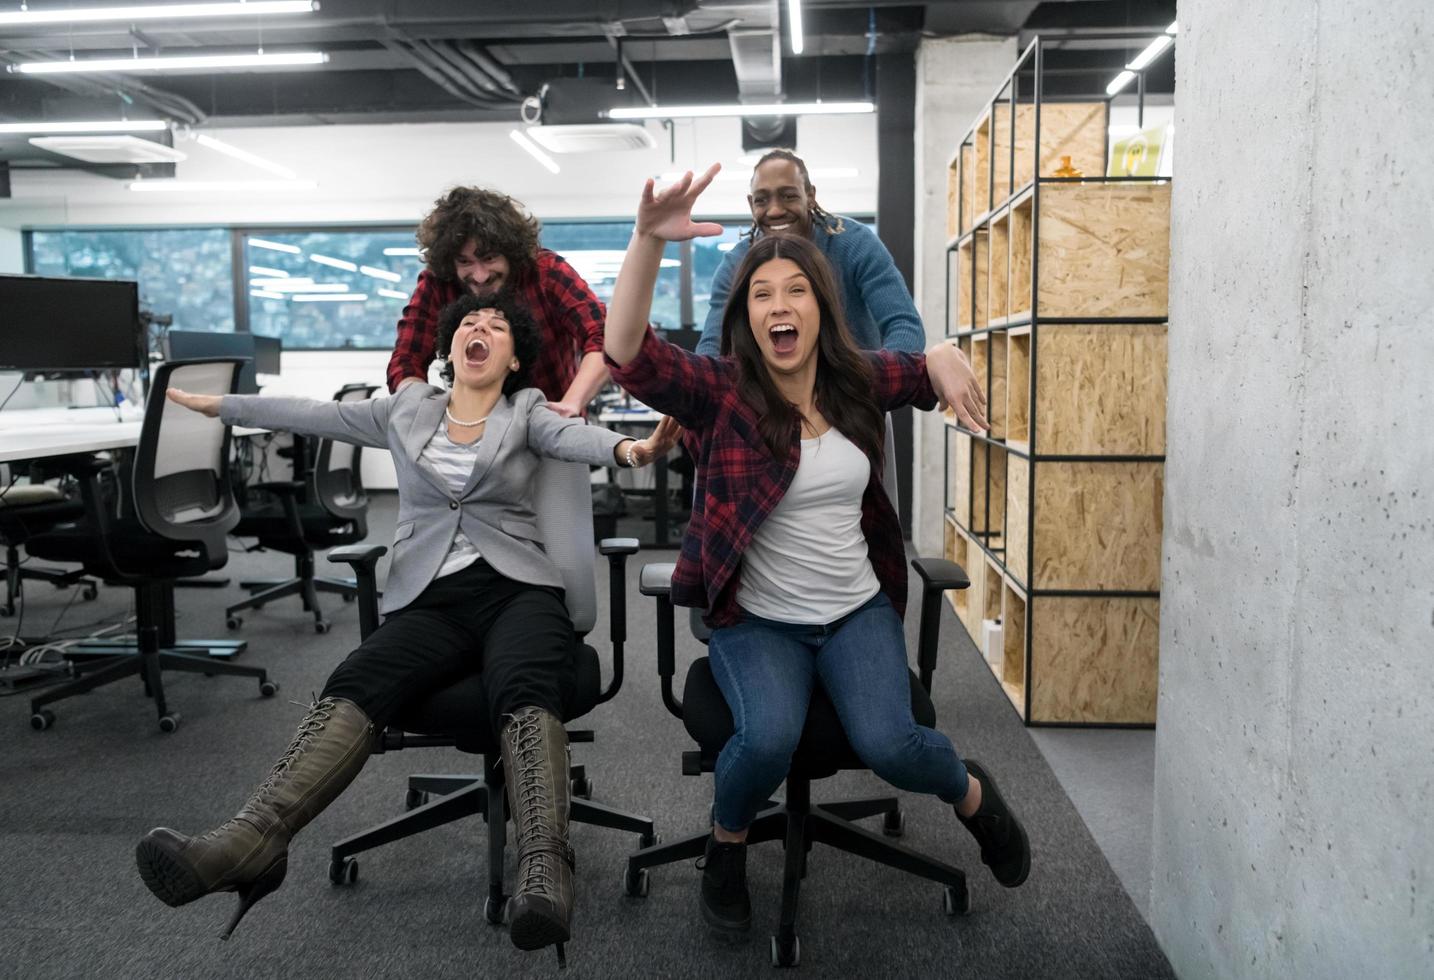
183,509
453,716
27,509
324,506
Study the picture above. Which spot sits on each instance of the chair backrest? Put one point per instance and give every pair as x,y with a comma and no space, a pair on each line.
337,477
562,500
180,482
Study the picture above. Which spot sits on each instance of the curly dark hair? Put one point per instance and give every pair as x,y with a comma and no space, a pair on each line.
496,222
525,334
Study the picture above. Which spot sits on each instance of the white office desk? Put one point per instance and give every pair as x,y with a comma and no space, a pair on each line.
35,433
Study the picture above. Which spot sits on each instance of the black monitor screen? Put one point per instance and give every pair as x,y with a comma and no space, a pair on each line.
69,324
184,344
267,352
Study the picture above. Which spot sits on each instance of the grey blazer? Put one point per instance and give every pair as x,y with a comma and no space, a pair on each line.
494,509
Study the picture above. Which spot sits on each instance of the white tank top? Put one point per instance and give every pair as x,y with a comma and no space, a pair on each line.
808,561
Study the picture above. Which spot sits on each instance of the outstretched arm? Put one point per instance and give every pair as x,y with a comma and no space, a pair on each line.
360,423
661,218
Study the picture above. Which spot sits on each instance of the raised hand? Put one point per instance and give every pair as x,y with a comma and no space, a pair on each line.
668,214
659,444
203,404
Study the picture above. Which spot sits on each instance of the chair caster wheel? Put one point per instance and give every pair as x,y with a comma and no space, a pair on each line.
786,955
648,840
268,688
234,622
343,871
321,627
583,787
956,901
42,719
894,824
494,910
635,883
90,593
415,799
169,723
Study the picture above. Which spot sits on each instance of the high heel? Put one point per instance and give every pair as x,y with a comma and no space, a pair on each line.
271,878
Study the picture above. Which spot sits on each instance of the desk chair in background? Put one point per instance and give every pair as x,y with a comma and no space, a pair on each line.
32,508
183,509
455,716
323,506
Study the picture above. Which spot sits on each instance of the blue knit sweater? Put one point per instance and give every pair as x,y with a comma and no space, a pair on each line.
879,308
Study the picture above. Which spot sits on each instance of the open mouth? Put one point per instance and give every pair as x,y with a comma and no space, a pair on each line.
475,352
784,338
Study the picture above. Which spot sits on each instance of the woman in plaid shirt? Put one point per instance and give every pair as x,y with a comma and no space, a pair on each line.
794,550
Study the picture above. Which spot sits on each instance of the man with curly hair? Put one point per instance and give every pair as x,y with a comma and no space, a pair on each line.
480,242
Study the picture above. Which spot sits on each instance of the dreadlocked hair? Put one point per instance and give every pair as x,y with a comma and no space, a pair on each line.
844,382
494,222
819,215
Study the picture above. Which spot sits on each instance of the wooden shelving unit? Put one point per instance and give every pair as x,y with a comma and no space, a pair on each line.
1058,293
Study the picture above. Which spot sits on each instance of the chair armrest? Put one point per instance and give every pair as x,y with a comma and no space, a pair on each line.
616,551
938,573
363,559
937,576
656,579
619,546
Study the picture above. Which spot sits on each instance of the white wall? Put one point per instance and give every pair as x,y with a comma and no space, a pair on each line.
1295,752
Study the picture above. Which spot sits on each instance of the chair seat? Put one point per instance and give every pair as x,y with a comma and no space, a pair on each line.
136,551
459,709
271,527
824,748
29,494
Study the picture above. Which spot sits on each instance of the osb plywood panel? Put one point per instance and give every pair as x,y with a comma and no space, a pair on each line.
996,396
963,286
1019,299
1013,640
1018,387
968,187
1001,140
953,200
976,594
1018,483
1000,266
996,540
1074,129
951,553
1101,389
1094,659
1104,249
980,202
1097,525
981,276
992,583
961,477
980,457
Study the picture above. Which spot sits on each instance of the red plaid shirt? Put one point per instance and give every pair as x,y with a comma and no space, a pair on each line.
569,318
739,482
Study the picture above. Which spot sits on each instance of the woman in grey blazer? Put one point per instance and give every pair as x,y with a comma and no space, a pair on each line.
469,588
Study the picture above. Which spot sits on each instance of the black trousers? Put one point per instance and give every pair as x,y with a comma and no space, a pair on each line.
518,635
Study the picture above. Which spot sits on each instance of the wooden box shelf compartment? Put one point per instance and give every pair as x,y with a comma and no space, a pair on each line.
988,494
1018,389
999,268
1103,250
981,169
981,276
959,461
1097,525
1013,643
955,550
1001,151
961,275
996,391
1093,660
1073,129
1019,288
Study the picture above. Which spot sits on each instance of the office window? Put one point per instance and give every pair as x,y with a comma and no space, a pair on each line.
322,290
595,250
707,255
183,272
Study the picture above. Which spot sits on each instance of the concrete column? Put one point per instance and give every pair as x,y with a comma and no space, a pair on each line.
1295,745
12,251
955,77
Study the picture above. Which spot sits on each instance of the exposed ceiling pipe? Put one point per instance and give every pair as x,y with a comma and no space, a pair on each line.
470,71
444,75
108,85
489,64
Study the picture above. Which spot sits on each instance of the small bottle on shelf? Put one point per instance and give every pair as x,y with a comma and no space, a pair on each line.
1066,170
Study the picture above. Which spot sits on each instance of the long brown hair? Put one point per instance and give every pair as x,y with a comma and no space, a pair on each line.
844,382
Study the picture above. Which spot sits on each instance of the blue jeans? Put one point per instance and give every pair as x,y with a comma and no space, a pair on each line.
766,670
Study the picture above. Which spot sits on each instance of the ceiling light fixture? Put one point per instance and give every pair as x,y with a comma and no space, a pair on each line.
177,63
392,293
1119,82
265,294
177,11
331,298
275,246
794,23
735,109
304,285
401,251
522,140
1152,51
343,264
271,273
229,149
177,186
384,274
96,126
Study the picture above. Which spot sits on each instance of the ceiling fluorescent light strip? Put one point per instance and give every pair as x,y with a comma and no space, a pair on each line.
275,246
229,149
383,274
343,264
794,22
392,293
522,140
166,63
298,286
1152,51
402,251
97,126
734,109
330,298
177,186
266,271
177,11
266,294
1119,82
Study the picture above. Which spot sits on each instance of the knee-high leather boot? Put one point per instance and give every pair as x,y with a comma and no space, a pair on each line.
249,853
535,761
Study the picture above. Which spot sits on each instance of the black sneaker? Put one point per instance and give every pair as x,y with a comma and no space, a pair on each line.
1004,848
725,902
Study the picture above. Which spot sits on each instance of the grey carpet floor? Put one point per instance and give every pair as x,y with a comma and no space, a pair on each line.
77,798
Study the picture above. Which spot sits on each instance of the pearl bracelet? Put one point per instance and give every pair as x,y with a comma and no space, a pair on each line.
631,461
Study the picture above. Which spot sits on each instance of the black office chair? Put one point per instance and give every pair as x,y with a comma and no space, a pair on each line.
823,751
455,716
324,506
183,509
32,508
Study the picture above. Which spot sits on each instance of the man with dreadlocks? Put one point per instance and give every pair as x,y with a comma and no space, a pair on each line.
879,308
479,242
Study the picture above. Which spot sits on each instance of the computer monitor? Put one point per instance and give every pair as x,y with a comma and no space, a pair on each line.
51,324
184,344
267,354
